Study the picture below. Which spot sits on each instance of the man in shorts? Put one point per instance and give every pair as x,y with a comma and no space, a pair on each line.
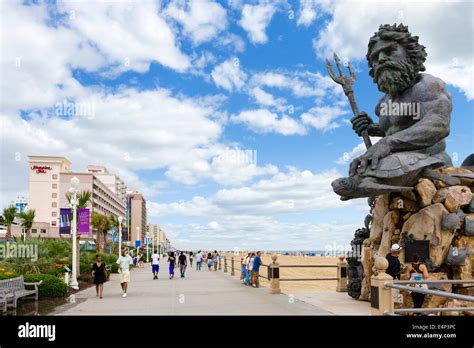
124,261
155,264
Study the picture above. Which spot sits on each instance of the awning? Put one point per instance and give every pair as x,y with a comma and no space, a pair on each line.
91,242
82,242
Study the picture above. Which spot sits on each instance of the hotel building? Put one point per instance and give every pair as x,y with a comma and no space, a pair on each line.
136,216
49,181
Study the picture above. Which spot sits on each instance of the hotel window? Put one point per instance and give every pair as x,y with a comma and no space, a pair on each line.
43,230
53,223
55,186
54,205
53,214
55,176
55,195
34,230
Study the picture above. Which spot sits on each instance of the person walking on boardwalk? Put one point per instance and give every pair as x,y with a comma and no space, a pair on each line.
191,258
183,263
155,264
255,269
172,262
124,262
215,259
98,271
209,261
198,260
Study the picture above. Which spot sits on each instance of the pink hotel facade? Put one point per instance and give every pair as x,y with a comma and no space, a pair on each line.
49,181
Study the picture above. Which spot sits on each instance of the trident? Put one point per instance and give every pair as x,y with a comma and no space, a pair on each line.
346,83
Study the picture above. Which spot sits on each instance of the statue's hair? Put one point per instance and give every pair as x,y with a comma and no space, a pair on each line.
416,51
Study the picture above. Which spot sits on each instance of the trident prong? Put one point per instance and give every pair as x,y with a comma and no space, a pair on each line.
346,83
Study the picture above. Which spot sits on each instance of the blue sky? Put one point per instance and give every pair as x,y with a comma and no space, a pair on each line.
183,91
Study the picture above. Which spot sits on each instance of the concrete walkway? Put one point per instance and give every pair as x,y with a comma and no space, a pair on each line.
200,293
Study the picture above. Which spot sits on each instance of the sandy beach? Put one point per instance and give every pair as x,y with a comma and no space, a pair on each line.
289,287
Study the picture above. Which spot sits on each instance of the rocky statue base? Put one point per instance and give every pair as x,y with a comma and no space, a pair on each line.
440,215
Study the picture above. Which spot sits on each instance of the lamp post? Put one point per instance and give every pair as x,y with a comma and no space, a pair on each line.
147,236
120,219
74,190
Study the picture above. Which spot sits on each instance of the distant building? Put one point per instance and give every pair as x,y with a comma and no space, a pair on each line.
136,216
49,181
112,181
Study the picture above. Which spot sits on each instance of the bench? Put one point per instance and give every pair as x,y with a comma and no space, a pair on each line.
15,288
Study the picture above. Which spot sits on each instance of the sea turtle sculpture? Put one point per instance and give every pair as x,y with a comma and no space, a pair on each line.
393,173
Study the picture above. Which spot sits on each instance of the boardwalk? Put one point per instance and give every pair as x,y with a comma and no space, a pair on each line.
200,293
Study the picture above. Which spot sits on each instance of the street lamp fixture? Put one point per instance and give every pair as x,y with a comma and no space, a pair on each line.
74,191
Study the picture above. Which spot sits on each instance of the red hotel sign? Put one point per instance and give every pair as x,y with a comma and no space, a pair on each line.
40,169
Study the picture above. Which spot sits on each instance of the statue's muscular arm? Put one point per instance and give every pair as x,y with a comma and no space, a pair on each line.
433,125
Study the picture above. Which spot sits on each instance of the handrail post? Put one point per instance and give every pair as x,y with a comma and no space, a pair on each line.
381,297
232,272
341,275
225,264
274,275
220,262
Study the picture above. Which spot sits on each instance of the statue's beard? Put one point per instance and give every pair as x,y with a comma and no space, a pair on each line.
393,77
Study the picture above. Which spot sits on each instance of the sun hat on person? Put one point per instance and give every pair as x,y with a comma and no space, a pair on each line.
396,247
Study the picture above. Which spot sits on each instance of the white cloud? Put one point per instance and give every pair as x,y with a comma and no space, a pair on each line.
248,216
300,83
228,75
255,19
307,13
214,225
129,34
264,121
450,59
283,193
202,20
136,33
140,139
115,36
323,117
262,233
266,99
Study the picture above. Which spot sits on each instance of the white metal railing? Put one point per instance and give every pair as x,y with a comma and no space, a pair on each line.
397,284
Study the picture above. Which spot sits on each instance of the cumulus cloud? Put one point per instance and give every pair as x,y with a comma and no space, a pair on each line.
448,58
283,193
264,121
324,117
229,75
136,36
248,216
255,19
202,20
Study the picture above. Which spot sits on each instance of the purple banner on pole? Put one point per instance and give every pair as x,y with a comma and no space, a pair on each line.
83,220
65,221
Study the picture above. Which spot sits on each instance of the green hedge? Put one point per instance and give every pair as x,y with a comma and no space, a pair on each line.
50,287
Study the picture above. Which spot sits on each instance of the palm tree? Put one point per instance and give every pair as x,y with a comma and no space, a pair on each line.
9,215
83,200
103,224
27,218
114,223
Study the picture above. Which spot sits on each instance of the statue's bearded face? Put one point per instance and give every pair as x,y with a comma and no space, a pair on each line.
392,69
